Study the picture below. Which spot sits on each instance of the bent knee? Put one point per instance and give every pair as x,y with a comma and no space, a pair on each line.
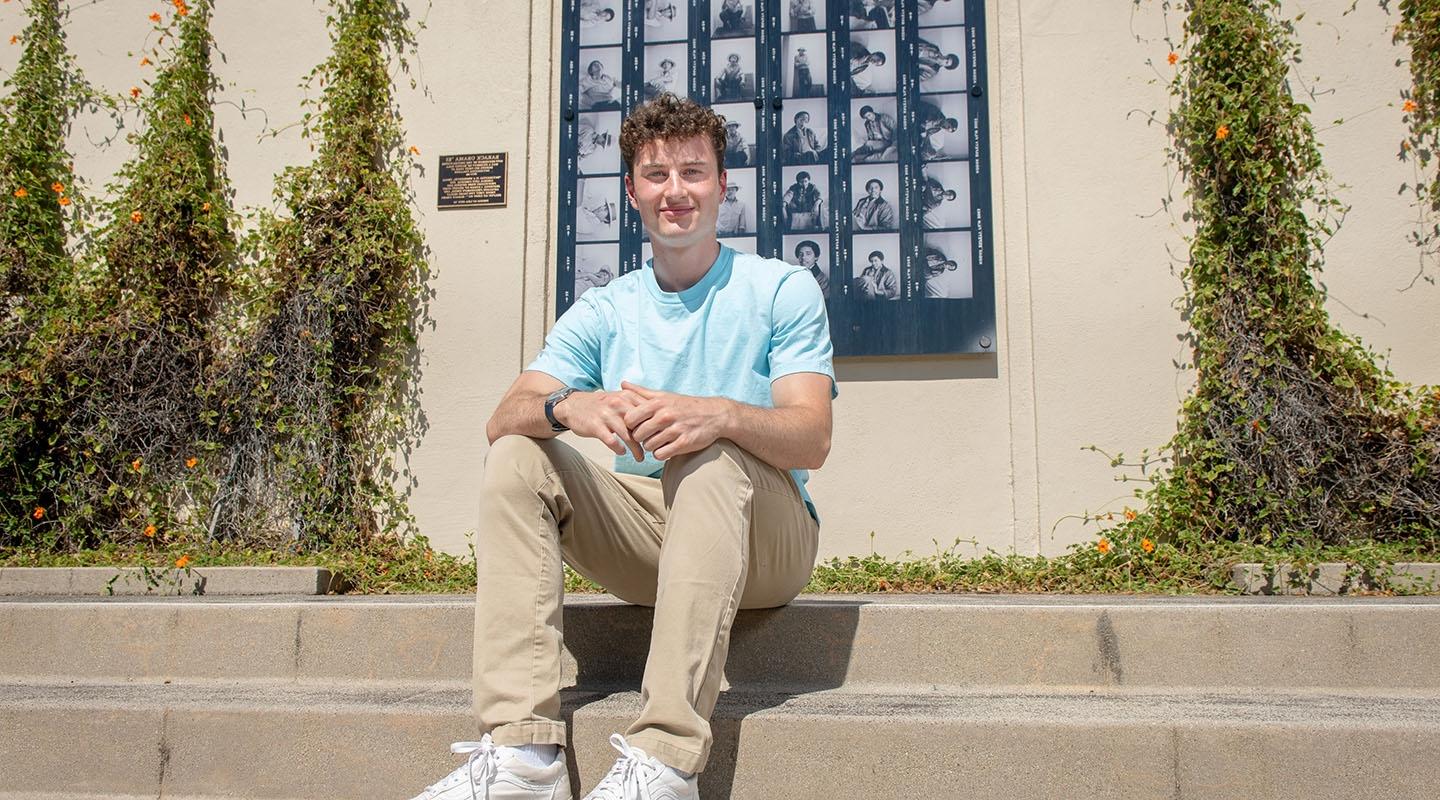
518,459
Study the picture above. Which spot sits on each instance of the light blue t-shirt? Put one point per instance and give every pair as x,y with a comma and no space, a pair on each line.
749,321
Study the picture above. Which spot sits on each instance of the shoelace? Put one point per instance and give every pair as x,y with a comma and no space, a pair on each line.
483,751
629,779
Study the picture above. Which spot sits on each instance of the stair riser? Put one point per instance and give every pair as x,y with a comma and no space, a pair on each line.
266,754
802,646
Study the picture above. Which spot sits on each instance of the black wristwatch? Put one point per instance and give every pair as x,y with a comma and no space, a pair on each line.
554,400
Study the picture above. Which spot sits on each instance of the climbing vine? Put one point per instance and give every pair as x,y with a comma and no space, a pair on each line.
1419,28
40,207
327,390
1293,434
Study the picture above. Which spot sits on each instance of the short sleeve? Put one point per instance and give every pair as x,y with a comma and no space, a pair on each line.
800,330
572,349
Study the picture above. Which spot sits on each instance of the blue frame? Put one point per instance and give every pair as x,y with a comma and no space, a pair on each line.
914,323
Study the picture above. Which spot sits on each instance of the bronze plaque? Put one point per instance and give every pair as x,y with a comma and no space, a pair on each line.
476,180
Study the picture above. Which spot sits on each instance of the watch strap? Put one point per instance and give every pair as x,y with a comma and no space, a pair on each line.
550,403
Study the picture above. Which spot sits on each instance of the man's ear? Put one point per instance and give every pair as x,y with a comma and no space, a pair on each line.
724,177
630,191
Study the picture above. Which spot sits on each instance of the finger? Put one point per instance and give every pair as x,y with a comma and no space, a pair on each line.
637,415
648,430
648,394
627,441
660,440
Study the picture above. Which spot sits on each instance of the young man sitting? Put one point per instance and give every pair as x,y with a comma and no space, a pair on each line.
708,373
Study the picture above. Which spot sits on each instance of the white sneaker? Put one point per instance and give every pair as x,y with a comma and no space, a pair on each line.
637,776
486,775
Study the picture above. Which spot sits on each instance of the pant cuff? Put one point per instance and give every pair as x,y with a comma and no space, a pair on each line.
515,734
673,751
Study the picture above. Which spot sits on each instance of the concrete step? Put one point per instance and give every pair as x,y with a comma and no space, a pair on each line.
268,740
815,643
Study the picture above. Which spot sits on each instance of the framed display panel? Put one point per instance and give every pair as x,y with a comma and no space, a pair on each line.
857,145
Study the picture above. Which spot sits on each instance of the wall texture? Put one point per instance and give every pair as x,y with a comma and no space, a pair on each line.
927,450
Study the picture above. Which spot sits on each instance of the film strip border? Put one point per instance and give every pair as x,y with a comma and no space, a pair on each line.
921,322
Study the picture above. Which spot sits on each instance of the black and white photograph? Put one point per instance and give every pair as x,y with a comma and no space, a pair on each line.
940,12
601,21
803,63
809,252
595,265
732,18
667,20
807,129
946,262
597,216
872,62
740,147
945,199
875,266
875,192
732,65
804,204
940,60
944,126
597,143
600,79
803,16
869,15
737,207
665,69
745,244
872,130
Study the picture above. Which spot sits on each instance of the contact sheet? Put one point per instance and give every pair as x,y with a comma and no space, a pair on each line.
856,146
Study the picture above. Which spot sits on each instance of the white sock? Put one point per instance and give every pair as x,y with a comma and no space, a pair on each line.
536,755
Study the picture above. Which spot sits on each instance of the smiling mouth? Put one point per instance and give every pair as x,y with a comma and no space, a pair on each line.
677,212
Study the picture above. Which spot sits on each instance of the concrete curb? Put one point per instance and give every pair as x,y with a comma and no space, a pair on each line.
1331,578
133,581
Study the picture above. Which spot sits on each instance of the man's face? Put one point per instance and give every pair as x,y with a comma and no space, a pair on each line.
802,121
804,181
873,189
869,116
730,194
807,257
676,186
877,262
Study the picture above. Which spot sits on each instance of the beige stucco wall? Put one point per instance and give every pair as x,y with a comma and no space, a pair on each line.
985,448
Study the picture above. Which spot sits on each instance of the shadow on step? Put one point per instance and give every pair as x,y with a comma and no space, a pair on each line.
775,654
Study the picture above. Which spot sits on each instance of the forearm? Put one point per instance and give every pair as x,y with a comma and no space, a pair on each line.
795,437
520,413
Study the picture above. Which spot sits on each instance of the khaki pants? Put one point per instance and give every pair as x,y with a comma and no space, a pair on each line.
722,530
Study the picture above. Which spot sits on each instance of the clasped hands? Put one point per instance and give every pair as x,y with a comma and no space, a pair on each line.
638,419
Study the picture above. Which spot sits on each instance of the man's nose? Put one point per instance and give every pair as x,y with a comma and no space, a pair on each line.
672,184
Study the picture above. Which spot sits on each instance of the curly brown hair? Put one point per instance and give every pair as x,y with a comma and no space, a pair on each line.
674,118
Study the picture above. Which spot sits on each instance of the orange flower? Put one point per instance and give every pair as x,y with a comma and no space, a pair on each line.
38,513
191,462
150,531
155,17
21,192
1222,132
57,187
182,562
134,91
1147,545
1411,106
188,121
1129,515
180,7
135,465
135,216
14,39
414,151
1255,425
1103,545
1172,58
205,206
145,61
64,201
